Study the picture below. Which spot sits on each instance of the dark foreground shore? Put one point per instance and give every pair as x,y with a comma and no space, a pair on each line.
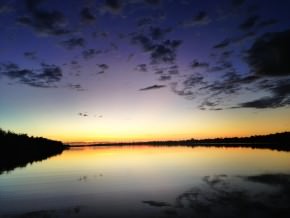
18,150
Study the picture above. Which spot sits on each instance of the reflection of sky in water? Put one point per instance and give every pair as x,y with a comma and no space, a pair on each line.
120,178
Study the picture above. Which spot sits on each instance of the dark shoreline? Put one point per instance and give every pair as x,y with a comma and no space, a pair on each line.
278,141
277,147
18,150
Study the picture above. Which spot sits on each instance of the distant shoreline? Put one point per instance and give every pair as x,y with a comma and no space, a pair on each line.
278,141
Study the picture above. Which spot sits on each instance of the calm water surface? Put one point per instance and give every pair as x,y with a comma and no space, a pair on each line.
128,181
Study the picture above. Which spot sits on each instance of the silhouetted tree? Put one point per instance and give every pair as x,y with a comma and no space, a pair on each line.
19,149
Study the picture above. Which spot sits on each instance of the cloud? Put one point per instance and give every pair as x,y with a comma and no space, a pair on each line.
144,41
114,6
164,78
160,52
73,43
190,86
83,114
87,16
44,22
76,87
4,9
270,54
193,81
230,84
266,102
267,23
158,33
141,67
195,64
225,43
90,53
200,19
30,55
279,97
249,23
165,52
50,73
215,94
153,2
152,87
184,92
159,71
46,77
103,68
144,21
237,3
173,70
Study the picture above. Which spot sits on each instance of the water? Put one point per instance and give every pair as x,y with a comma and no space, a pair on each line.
135,181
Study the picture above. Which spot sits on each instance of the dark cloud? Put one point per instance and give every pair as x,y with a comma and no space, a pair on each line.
200,19
9,66
76,87
102,34
214,95
160,52
158,33
103,66
46,77
152,87
249,23
159,71
144,21
144,41
184,92
90,53
230,84
141,67
44,22
164,78
221,65
193,81
114,46
73,43
32,5
83,114
4,8
267,23
75,66
189,87
279,96
30,55
153,2
237,3
195,64
270,54
266,102
225,43
87,16
165,52
114,6
173,70
211,105
50,73
130,56
243,37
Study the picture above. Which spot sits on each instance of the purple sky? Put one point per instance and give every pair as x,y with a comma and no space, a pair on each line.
144,69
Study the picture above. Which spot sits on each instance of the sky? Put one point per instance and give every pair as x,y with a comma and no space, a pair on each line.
132,70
